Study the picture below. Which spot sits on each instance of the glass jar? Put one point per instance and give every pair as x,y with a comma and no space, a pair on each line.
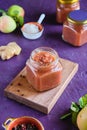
64,7
75,28
43,69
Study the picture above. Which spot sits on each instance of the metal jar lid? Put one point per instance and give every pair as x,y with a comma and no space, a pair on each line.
78,17
68,1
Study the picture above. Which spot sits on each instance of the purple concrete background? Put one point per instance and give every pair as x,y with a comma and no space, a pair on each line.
51,38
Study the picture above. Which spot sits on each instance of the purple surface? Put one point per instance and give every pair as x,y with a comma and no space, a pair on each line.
51,38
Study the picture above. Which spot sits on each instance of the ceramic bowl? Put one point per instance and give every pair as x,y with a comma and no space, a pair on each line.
32,36
10,123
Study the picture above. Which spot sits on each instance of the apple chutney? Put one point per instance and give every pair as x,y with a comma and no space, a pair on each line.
75,28
43,69
64,7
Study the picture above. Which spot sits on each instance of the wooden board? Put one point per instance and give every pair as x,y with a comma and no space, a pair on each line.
20,90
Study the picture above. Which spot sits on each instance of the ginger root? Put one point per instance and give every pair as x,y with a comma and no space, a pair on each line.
10,50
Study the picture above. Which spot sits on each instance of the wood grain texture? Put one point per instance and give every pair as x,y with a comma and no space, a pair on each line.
21,91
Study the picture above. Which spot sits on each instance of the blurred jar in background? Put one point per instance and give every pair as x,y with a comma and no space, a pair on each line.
43,69
64,7
75,28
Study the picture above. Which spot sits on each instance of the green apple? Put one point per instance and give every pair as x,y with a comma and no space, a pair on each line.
82,119
7,24
17,12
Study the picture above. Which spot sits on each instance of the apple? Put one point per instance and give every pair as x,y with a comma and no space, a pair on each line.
17,12
82,119
7,24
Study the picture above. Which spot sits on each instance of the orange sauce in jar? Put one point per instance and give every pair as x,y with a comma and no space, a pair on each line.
43,69
64,7
75,28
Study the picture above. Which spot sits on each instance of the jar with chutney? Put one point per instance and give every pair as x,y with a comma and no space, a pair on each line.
43,69
64,7
75,28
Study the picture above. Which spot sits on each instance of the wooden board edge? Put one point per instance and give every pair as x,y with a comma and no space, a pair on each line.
37,107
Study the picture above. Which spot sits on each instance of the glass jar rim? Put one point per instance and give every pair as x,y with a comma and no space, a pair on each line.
43,49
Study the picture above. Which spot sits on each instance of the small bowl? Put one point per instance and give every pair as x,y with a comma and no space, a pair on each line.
11,123
32,36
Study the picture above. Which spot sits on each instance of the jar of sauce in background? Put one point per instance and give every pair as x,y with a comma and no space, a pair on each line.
43,69
64,7
75,28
